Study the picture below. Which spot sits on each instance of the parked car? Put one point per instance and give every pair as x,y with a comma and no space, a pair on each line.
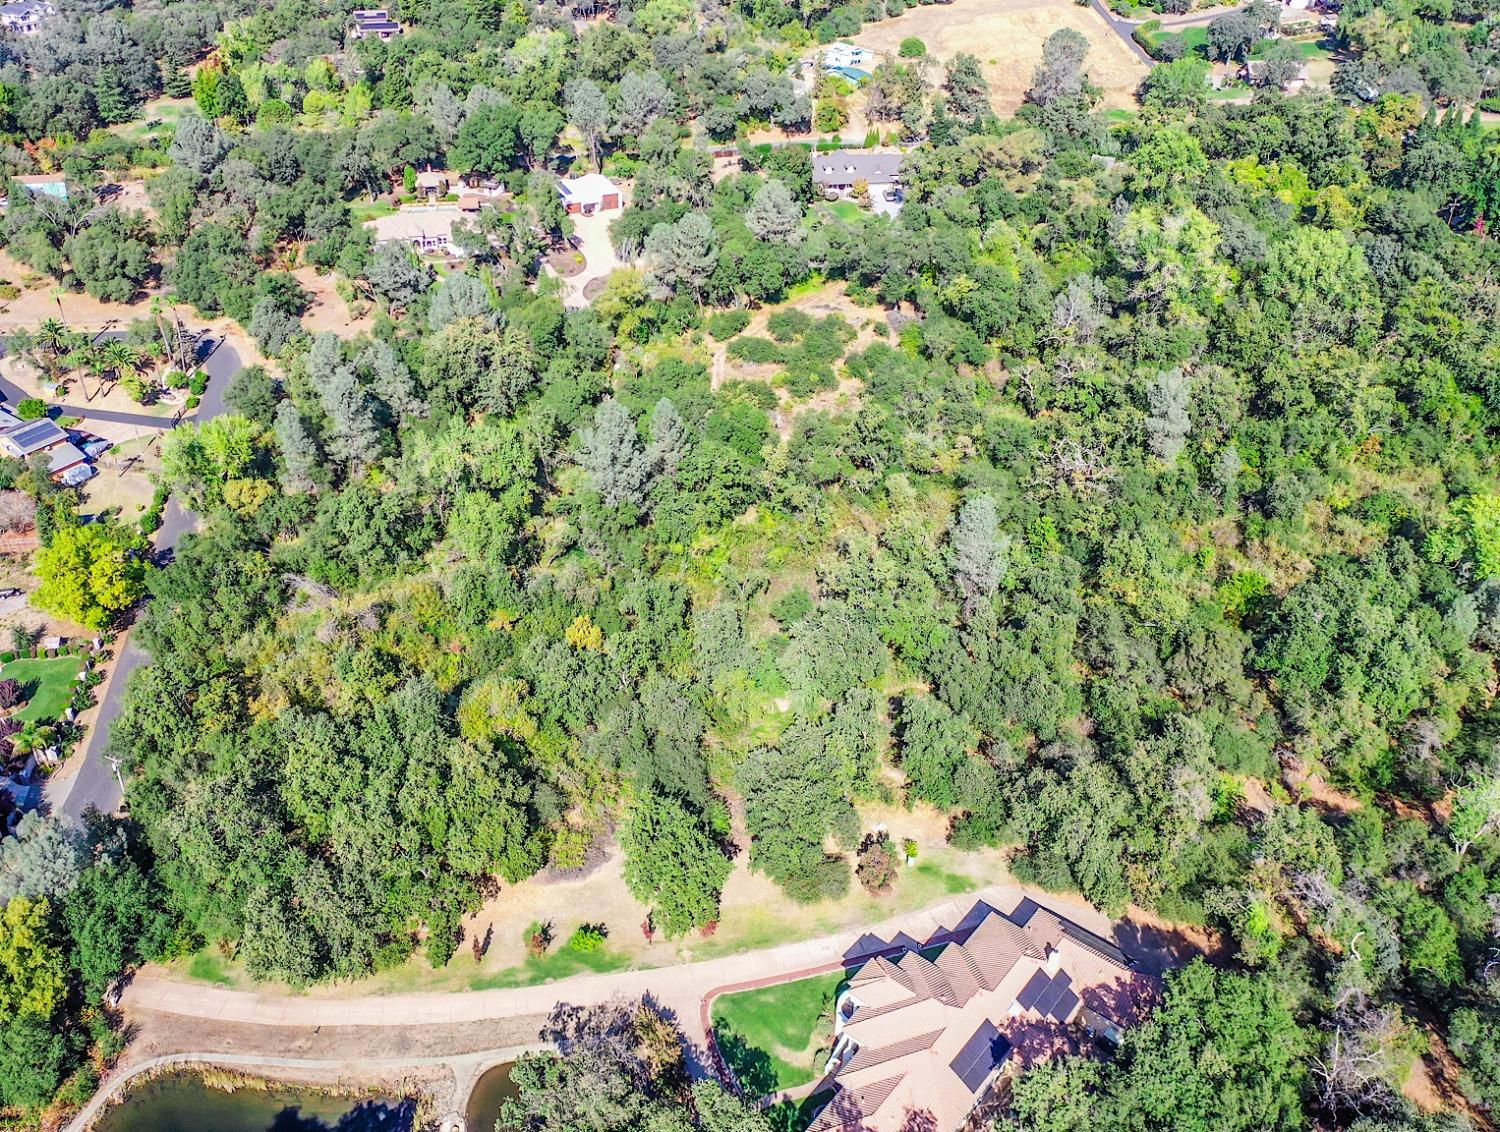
893,195
79,473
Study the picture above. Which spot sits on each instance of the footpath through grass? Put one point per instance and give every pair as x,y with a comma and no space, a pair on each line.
777,1037
46,682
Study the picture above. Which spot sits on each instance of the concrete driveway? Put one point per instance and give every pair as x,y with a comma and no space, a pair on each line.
592,233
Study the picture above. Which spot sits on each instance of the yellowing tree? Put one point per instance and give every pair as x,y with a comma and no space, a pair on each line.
33,968
90,573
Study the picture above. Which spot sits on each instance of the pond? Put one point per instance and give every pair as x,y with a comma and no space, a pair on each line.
492,1087
184,1102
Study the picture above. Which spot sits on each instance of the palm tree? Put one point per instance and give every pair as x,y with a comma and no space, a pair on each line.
119,356
82,356
32,737
54,334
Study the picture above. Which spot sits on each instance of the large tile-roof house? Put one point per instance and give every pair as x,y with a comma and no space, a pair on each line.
920,1037
25,17
839,169
425,228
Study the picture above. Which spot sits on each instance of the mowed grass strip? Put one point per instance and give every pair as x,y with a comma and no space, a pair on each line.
773,1038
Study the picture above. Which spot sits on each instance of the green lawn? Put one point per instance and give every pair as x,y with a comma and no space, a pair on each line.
363,210
776,1037
845,210
47,683
1195,39
558,963
1306,48
209,968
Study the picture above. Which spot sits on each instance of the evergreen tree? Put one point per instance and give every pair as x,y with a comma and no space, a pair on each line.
669,439
979,551
1168,425
300,454
611,453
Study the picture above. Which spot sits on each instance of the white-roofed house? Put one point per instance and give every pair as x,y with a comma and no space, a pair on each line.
589,193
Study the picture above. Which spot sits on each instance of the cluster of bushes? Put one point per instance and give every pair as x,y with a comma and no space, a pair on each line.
35,652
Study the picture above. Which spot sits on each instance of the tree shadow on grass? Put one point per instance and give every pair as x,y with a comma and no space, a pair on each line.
751,1067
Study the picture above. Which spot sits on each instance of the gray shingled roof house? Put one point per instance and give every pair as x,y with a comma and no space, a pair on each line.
839,169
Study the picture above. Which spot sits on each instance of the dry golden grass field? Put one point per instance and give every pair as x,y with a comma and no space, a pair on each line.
1007,36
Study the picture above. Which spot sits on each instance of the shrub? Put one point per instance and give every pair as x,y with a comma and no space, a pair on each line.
32,409
539,939
724,325
877,865
872,139
198,383
788,324
912,48
587,938
792,606
756,351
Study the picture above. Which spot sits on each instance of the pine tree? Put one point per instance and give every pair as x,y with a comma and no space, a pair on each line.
612,455
669,439
979,551
1168,425
353,434
390,380
300,456
774,215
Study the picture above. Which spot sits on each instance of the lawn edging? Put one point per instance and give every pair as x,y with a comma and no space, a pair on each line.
705,1012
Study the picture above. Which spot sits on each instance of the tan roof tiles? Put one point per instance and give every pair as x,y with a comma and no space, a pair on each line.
912,1016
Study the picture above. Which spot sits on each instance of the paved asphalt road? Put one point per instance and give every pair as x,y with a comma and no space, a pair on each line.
1124,29
15,394
94,783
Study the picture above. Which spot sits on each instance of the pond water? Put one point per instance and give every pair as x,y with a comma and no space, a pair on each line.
183,1102
492,1087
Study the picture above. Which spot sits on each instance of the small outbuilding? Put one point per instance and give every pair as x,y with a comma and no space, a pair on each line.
432,184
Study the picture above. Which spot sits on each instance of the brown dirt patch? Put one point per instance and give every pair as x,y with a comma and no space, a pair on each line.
567,262
155,1034
1007,38
326,310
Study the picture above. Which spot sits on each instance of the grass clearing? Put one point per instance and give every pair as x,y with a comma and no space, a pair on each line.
845,210
207,967
1007,36
775,1037
1308,49
362,210
559,963
47,683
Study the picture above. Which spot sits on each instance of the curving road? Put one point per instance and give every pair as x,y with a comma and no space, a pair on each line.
1124,29
95,783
